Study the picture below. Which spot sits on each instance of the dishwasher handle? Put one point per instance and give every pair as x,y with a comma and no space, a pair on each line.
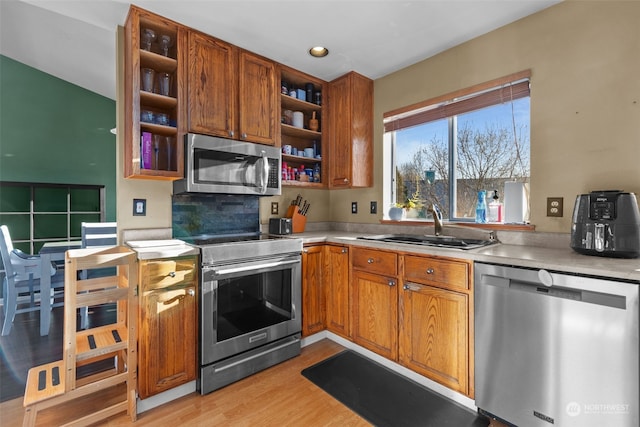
553,291
539,288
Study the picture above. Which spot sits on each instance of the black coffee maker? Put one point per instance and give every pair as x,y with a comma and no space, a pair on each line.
606,223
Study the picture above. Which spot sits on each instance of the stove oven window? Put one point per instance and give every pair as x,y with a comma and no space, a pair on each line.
249,303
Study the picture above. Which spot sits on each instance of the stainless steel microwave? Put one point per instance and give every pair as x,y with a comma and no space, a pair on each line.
226,166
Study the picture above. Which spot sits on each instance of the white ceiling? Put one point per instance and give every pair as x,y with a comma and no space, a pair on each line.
75,39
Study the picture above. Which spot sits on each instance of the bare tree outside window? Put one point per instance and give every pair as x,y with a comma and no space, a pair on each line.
484,148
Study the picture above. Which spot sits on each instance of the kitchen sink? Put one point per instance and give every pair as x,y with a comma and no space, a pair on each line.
429,240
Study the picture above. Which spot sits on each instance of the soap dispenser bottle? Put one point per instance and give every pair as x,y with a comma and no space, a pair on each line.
495,208
481,208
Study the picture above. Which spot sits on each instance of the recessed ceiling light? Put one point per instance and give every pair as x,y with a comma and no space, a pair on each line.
318,51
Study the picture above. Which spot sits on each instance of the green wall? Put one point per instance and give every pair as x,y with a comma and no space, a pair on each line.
55,132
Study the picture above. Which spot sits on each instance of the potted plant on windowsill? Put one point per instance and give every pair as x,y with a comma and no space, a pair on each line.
401,210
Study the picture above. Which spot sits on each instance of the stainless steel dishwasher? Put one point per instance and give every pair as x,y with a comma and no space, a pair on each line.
555,349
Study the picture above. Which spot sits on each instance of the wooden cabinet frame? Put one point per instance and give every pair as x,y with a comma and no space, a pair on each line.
168,325
135,99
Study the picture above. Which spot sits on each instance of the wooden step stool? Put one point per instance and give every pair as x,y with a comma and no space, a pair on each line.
56,383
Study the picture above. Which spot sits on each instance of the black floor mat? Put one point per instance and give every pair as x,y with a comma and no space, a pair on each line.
386,398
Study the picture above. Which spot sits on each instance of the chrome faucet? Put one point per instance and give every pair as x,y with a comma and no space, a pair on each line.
437,219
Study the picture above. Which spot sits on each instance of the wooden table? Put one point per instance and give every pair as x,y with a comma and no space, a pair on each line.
51,251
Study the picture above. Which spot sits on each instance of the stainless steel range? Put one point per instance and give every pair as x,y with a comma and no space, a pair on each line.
250,306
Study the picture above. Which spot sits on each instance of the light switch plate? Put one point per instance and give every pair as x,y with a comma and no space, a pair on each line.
274,208
373,207
139,207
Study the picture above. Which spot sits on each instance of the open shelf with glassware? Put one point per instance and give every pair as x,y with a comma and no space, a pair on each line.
155,66
301,129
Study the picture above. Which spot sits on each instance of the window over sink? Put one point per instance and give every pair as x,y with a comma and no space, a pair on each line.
447,149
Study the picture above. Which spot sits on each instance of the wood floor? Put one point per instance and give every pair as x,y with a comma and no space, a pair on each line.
278,396
24,348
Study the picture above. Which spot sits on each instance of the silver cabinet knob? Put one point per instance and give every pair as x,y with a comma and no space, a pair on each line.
370,260
430,270
391,283
191,292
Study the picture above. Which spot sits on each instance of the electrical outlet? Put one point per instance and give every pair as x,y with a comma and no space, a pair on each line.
354,207
373,208
554,206
274,208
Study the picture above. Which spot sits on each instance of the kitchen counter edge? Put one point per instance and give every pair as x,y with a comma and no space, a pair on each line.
554,259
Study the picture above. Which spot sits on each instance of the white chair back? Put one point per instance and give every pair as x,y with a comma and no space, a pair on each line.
17,264
6,247
22,276
99,234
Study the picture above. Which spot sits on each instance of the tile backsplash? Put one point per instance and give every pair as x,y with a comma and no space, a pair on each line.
214,214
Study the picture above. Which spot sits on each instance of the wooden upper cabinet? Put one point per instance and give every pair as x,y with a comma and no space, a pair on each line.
258,99
232,92
212,86
154,120
351,131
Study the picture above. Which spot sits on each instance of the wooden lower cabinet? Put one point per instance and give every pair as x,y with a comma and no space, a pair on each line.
374,304
313,307
436,321
416,310
168,324
434,334
336,283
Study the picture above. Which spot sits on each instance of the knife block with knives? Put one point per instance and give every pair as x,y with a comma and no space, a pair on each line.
297,211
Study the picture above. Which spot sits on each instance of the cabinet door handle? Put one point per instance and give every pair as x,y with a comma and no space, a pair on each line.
190,292
172,274
430,270
244,135
344,250
370,261
411,287
174,299
391,283
231,133
346,180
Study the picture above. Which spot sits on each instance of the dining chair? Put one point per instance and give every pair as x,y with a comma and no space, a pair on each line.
22,278
96,234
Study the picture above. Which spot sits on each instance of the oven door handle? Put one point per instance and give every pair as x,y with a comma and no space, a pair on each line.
253,267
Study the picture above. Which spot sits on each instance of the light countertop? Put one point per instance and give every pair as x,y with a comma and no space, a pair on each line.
158,249
558,259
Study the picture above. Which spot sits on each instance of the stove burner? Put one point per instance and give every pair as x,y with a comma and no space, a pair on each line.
217,239
223,248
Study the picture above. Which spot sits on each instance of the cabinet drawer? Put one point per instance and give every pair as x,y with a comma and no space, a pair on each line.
160,274
375,261
444,273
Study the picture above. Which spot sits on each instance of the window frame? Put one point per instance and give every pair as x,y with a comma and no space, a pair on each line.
448,106
33,243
